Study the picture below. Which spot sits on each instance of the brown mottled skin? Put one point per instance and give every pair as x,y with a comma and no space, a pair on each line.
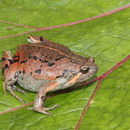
44,66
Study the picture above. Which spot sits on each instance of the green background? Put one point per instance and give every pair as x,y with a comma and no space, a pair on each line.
106,39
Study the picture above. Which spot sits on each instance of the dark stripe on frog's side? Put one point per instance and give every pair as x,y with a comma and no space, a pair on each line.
59,58
3,59
34,57
47,62
24,61
50,64
10,61
42,61
15,61
16,57
38,71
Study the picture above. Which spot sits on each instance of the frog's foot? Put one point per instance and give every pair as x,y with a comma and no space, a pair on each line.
44,110
41,97
10,89
50,108
18,90
47,109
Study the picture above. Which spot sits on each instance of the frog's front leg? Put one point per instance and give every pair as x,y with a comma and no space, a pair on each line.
41,97
8,84
10,87
10,73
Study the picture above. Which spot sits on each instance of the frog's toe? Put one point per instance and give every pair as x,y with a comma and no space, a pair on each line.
46,113
44,110
50,108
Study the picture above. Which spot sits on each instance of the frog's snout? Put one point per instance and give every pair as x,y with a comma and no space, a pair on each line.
94,69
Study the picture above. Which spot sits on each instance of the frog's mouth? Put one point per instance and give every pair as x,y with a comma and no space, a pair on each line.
82,76
87,73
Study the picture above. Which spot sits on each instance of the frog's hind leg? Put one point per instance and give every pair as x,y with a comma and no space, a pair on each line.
41,97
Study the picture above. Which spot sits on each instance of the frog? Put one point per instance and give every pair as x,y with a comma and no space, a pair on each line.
42,66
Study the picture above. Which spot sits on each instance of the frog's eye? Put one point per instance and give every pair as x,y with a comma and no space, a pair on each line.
84,69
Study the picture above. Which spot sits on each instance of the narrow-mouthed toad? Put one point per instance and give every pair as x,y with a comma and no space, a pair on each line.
44,67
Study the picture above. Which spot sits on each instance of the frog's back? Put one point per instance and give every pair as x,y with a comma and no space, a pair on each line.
48,51
40,63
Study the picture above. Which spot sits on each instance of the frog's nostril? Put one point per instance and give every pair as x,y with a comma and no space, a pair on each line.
85,69
96,69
